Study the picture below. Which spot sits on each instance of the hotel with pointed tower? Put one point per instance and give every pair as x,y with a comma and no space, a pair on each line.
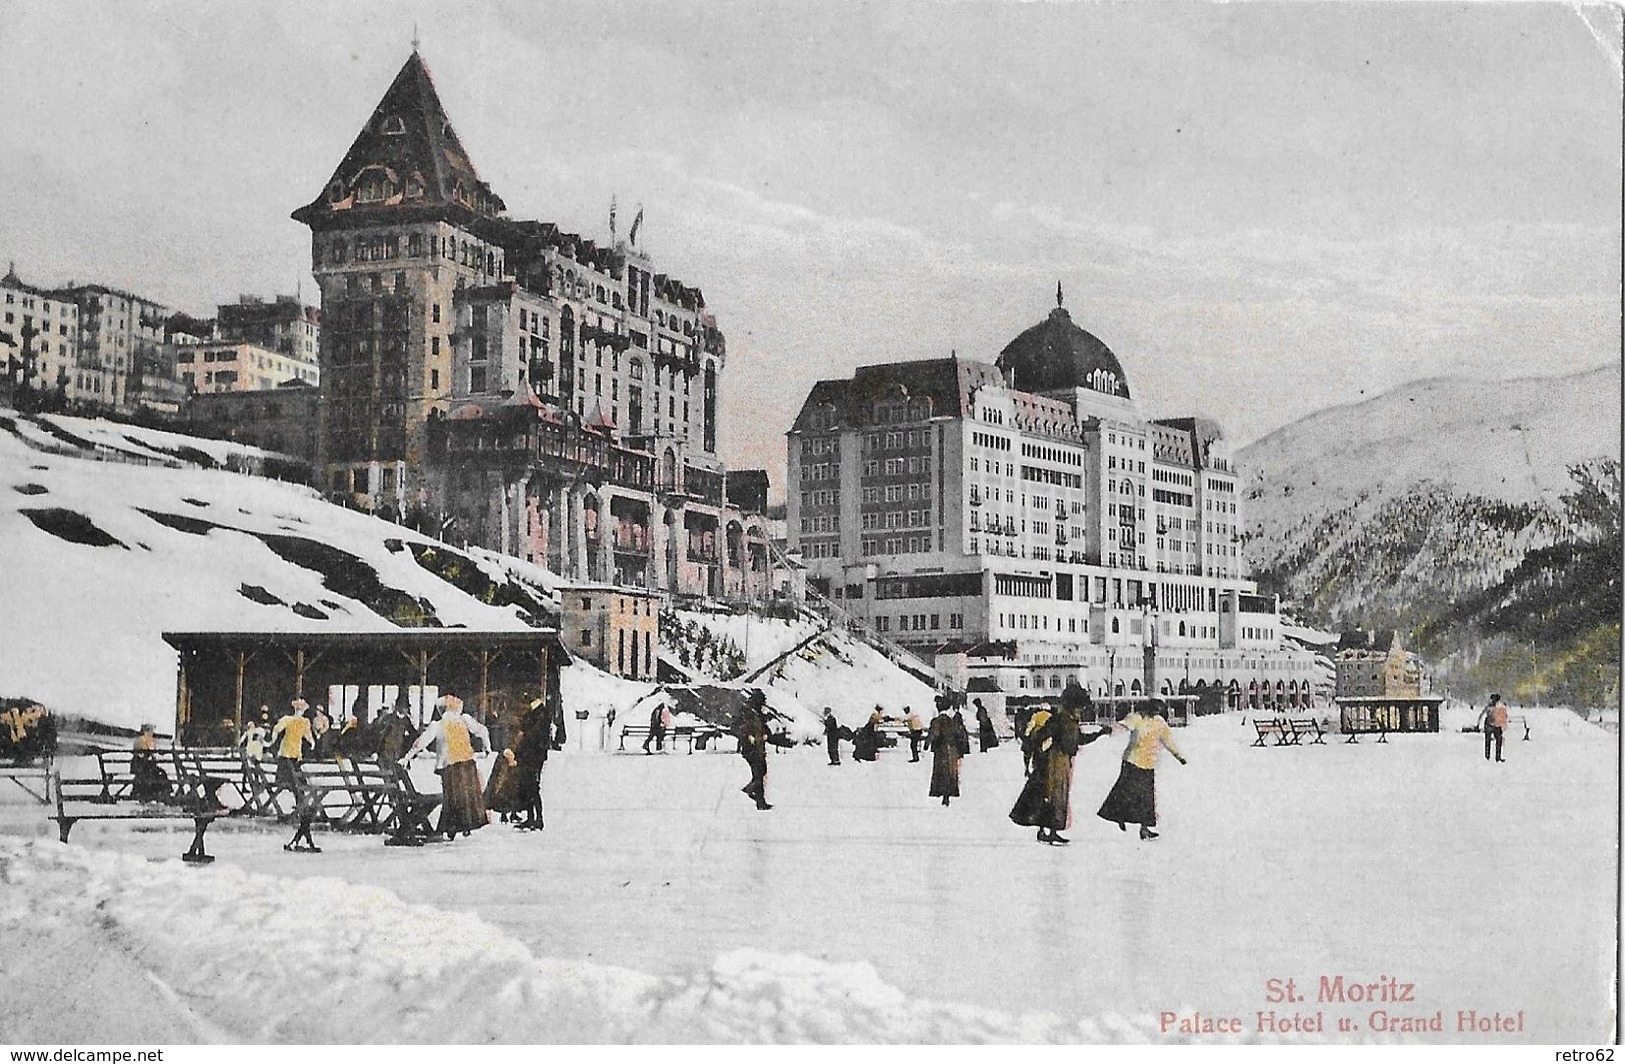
513,384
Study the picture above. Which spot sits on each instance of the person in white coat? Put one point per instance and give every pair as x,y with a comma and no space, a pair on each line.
462,802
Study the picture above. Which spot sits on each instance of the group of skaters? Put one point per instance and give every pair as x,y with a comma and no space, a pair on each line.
305,733
1050,738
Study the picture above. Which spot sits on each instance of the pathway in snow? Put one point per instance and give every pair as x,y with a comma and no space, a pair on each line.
1489,887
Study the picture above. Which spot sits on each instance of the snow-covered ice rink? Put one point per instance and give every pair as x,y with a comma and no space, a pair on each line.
659,905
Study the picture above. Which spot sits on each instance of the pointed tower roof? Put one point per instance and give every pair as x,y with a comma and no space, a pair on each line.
406,156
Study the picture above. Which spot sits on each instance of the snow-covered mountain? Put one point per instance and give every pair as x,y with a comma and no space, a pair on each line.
1396,511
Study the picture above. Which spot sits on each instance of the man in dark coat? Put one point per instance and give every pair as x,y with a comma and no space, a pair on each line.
984,727
832,736
538,729
392,734
751,728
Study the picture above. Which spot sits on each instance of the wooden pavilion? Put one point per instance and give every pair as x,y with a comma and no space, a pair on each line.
228,675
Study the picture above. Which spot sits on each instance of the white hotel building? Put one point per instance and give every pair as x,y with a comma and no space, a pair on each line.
1024,513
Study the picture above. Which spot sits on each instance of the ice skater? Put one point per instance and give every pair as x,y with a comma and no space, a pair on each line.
948,742
985,734
462,807
542,727
751,728
1133,798
915,731
1493,722
1045,801
659,718
832,736
290,737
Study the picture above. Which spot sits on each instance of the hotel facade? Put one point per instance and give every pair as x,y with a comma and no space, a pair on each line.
1020,518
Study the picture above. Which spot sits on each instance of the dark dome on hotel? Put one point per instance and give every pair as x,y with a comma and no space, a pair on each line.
1055,354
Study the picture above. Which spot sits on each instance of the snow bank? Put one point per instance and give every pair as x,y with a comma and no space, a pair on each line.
372,968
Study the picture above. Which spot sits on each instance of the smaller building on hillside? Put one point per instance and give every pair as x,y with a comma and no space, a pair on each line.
282,419
614,628
1374,665
239,366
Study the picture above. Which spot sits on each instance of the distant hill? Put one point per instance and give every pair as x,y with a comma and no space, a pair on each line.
1440,509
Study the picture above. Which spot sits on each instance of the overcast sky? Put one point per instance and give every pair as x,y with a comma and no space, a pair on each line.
1262,209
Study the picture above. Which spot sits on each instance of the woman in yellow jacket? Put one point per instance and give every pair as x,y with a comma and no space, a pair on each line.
1133,798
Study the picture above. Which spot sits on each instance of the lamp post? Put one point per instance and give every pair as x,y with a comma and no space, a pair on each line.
1111,672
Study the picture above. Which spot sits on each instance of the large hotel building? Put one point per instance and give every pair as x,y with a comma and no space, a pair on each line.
1024,516
520,386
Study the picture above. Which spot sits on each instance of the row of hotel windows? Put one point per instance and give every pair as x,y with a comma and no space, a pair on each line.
1052,454
895,519
816,445
1172,476
920,622
990,441
1052,476
896,493
897,545
895,467
1128,441
61,330
821,471
896,440
825,497
821,549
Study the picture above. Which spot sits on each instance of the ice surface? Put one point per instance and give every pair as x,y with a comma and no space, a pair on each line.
659,905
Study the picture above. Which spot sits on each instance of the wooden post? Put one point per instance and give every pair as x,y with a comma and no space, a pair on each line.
299,673
485,684
242,667
183,711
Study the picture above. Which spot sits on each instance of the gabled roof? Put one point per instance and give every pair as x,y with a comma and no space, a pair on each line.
410,142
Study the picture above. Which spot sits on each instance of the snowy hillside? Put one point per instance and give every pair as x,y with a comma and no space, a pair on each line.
1393,512
108,541
111,535
1506,440
806,665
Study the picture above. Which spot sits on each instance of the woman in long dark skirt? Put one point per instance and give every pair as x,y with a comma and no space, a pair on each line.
866,740
1046,798
949,742
462,806
1133,798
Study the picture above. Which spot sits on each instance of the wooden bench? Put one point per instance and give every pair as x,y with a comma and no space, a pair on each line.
701,736
208,769
31,774
1353,735
1276,726
117,777
409,809
1303,727
85,798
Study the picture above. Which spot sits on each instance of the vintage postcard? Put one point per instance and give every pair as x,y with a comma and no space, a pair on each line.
900,522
